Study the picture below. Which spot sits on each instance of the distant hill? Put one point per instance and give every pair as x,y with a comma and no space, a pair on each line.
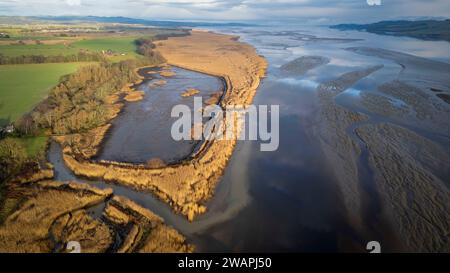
127,20
432,30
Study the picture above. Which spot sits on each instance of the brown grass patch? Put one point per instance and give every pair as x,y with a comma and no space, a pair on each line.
135,96
214,98
190,92
167,73
53,213
86,144
148,233
93,235
158,83
26,230
155,163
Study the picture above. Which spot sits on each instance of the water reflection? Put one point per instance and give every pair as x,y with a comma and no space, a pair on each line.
143,130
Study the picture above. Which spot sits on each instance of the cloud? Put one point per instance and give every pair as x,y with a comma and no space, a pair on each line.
73,2
331,11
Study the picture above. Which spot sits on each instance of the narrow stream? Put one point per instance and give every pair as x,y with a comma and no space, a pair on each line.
220,210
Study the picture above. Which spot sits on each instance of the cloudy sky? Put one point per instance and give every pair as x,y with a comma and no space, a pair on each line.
321,11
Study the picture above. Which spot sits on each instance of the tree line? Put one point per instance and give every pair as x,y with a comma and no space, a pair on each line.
145,46
81,56
78,102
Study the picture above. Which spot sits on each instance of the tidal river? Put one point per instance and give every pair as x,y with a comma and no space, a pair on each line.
325,188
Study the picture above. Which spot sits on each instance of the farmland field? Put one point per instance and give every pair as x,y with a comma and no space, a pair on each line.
119,45
23,86
35,49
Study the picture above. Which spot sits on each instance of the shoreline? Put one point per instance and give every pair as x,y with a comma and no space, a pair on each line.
186,187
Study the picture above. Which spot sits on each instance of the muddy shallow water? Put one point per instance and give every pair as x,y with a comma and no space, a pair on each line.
294,199
297,195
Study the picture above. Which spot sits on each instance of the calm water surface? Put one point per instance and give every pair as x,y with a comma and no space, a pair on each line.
142,131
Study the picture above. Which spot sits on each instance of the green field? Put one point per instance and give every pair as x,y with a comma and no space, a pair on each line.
119,45
46,50
23,86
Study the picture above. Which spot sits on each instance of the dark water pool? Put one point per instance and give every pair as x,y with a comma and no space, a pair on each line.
143,130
